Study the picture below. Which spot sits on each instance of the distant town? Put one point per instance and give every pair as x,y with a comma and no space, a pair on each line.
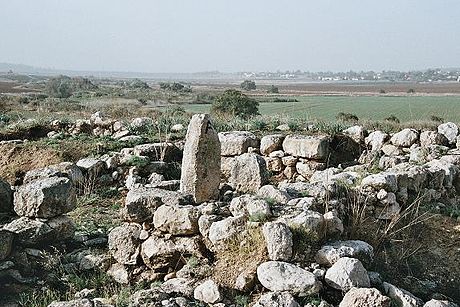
429,75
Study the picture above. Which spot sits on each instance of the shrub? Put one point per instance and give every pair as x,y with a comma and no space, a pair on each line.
175,87
410,91
235,104
347,117
64,86
382,91
137,83
436,118
273,90
392,118
248,85
285,100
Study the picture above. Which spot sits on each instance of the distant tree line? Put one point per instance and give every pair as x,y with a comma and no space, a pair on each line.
175,87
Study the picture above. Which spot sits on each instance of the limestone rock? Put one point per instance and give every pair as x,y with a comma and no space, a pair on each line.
160,253
276,299
124,243
347,273
141,203
248,205
449,130
177,220
375,140
248,173
45,198
278,238
401,297
208,292
32,232
331,253
310,147
200,175
438,303
91,166
386,181
428,138
64,169
74,303
271,143
364,297
226,229
404,138
234,143
272,193
282,276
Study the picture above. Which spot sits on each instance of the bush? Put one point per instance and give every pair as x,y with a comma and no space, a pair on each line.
235,104
392,118
285,100
248,85
137,83
382,91
410,91
175,87
64,86
273,90
436,118
347,117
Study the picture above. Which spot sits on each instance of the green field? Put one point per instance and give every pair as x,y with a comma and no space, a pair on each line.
407,108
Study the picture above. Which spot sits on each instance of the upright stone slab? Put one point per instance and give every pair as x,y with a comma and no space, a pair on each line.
201,160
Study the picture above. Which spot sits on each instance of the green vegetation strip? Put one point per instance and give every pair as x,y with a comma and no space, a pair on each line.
410,108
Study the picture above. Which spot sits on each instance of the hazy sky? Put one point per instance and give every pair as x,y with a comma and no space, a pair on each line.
230,35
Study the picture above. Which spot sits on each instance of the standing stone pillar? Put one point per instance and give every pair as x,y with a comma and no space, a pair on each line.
200,174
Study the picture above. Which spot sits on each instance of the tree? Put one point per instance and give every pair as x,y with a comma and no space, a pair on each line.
236,104
273,90
137,83
248,85
59,87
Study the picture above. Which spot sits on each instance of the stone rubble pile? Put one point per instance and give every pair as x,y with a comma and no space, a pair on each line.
283,195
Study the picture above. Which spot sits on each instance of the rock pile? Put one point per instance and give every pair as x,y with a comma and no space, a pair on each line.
226,231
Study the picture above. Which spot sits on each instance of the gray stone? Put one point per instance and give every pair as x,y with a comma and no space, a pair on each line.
177,220
124,243
439,303
234,143
208,292
271,143
64,169
200,175
276,299
32,232
310,147
404,138
141,203
248,173
364,297
45,198
272,193
449,130
282,276
226,229
347,273
401,297
375,140
278,238
331,253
